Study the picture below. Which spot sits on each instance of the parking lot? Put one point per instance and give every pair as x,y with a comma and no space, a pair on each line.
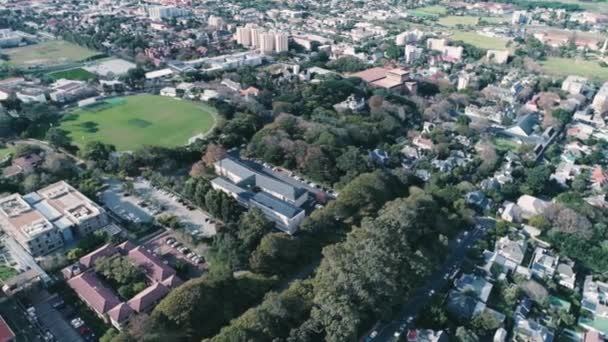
172,253
193,219
54,321
149,202
123,206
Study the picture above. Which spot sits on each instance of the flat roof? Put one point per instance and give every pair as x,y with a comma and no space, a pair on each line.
276,205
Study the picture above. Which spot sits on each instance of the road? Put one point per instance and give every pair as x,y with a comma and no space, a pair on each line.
436,281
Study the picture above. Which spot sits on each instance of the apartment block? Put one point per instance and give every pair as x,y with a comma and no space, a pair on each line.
41,221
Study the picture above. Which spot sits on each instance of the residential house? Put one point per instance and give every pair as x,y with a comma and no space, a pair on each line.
577,85
543,263
599,178
595,297
497,56
475,284
531,206
511,213
565,273
528,330
426,335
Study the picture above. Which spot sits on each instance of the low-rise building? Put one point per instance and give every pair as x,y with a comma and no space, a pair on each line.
543,264
279,201
92,290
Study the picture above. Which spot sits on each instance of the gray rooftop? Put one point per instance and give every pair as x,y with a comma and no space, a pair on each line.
272,185
236,168
275,204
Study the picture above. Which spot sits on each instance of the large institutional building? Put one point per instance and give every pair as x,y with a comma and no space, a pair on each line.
279,201
42,221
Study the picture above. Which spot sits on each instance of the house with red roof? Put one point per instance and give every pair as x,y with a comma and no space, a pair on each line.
92,289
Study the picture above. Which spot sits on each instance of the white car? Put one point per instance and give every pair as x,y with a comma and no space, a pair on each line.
77,322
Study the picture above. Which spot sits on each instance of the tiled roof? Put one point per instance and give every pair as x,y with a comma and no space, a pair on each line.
155,269
91,290
146,298
6,334
103,251
120,312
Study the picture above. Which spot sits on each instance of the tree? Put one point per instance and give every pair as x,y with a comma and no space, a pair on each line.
75,254
58,138
109,335
213,154
485,323
465,335
253,226
97,151
59,165
275,254
537,179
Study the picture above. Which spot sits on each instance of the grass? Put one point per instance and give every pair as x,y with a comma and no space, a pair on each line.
5,151
595,5
454,20
481,41
135,121
77,74
503,144
48,53
429,11
568,66
7,272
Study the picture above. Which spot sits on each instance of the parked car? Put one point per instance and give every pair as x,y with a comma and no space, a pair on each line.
77,322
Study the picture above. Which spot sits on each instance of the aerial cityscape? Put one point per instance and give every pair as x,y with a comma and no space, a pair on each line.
303,170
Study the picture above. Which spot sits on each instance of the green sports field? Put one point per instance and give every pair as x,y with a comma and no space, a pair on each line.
53,52
78,74
135,121
481,41
428,11
569,66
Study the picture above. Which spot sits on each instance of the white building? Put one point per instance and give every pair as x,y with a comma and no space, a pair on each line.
281,42
267,42
243,36
600,101
166,12
412,53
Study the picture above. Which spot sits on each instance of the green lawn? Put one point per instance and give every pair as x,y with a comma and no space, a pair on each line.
567,66
7,272
453,20
5,150
480,41
131,122
503,144
429,11
78,74
53,52
594,5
